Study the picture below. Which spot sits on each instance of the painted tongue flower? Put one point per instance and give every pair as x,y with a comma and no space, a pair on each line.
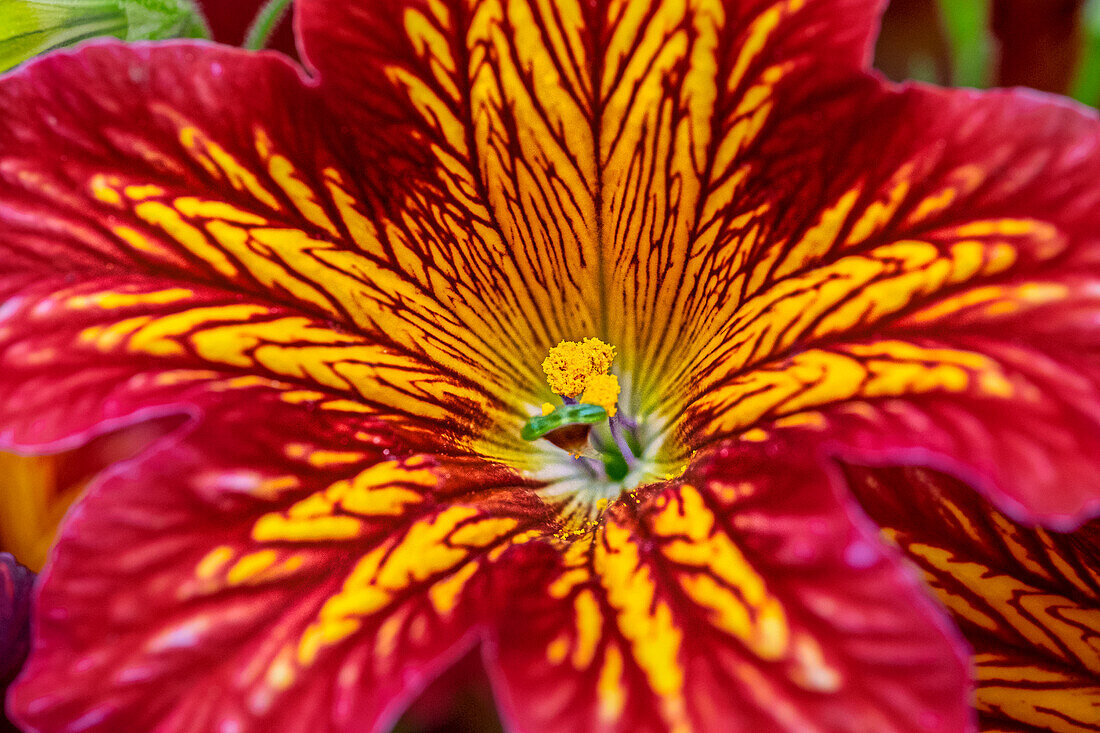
351,281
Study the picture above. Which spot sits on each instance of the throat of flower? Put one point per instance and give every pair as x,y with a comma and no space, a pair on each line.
587,425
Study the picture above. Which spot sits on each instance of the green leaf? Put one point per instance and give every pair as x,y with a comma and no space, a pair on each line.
540,425
152,20
1086,80
32,27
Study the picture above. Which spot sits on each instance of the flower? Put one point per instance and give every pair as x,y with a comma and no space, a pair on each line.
349,281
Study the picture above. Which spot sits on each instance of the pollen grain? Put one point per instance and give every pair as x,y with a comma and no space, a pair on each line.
603,390
571,364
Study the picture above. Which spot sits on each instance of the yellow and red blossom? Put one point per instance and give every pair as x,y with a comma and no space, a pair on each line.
347,285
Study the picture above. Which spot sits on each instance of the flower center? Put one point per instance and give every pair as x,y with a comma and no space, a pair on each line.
594,450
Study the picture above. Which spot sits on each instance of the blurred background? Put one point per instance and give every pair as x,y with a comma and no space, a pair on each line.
1050,45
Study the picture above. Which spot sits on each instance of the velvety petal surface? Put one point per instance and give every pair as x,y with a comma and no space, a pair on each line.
148,229
764,232
581,141
930,300
1028,600
266,572
737,597
288,558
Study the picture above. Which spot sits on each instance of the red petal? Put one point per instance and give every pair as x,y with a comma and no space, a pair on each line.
148,229
116,349
577,137
931,301
738,598
314,572
1027,600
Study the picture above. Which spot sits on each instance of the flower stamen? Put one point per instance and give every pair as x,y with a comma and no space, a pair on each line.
593,451
571,364
602,390
578,372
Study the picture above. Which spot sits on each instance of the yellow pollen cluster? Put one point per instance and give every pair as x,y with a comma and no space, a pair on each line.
603,390
571,364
